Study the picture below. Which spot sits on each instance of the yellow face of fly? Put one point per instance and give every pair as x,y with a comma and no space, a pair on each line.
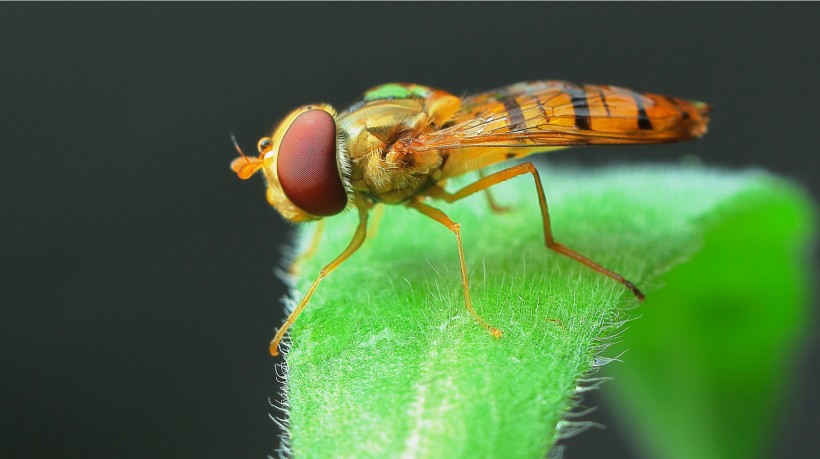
300,164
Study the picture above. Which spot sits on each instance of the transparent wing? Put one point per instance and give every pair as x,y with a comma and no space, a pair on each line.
558,113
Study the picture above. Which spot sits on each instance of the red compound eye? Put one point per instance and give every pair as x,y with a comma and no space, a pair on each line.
307,165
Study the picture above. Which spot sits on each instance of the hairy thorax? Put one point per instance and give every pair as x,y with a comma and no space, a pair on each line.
378,170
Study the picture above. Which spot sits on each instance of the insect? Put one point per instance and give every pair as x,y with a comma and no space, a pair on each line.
402,142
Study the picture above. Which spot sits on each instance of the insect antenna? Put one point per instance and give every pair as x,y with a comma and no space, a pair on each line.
238,149
244,166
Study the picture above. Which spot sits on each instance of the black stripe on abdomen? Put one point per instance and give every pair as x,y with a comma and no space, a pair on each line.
603,101
581,107
683,113
644,123
516,118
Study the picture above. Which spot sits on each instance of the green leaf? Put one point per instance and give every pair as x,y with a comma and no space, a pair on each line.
386,361
708,362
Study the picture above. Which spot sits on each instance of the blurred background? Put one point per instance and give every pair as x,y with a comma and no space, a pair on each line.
138,286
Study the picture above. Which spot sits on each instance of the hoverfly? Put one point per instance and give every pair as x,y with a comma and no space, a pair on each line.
403,141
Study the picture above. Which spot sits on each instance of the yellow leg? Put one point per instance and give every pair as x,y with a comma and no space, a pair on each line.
358,239
442,218
494,206
378,213
515,171
308,253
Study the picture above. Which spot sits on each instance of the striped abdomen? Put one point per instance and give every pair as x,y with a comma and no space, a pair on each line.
585,114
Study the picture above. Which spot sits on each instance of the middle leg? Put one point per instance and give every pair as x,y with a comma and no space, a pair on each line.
528,168
442,218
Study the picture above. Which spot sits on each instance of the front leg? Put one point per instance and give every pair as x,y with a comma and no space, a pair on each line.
358,239
307,254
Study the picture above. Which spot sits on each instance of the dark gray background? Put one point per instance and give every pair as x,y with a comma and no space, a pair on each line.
138,291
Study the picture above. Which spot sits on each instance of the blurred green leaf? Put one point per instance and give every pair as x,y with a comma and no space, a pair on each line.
709,361
386,361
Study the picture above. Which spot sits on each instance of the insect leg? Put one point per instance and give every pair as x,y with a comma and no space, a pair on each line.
378,213
358,239
305,255
515,171
442,218
490,200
